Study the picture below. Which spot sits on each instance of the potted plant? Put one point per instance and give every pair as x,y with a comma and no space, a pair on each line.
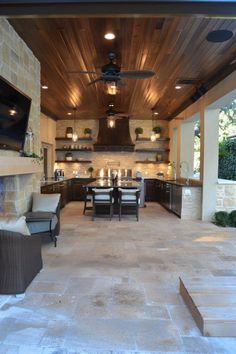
157,131
90,170
87,132
138,131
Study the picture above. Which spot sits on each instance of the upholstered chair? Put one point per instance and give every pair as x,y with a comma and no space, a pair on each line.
102,197
44,218
129,198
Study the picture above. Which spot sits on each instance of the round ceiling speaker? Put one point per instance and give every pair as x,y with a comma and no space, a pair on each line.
219,36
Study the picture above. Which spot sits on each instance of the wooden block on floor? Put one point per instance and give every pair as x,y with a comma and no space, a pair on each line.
212,304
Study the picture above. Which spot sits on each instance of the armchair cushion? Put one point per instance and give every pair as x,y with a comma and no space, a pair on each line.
45,202
15,225
36,227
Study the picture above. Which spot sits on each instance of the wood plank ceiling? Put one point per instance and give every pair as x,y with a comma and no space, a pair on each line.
175,48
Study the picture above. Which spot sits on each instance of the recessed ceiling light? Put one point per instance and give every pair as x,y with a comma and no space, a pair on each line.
155,113
219,36
178,87
69,113
44,87
109,36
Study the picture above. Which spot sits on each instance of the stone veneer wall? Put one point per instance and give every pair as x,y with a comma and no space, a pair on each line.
191,203
19,66
100,159
226,196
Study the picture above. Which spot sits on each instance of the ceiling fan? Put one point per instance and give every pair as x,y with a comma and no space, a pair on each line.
113,115
112,75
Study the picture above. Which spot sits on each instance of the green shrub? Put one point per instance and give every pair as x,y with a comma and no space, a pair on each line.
87,131
227,160
156,130
232,218
221,218
138,130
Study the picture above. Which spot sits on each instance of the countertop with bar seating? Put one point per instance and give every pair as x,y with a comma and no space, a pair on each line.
102,183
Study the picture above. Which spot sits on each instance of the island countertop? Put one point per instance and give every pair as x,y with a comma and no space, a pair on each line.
100,183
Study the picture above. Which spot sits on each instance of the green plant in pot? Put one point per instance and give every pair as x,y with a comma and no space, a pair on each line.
90,170
138,131
157,131
87,132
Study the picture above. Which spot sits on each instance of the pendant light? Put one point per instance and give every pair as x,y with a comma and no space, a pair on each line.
111,122
74,135
153,135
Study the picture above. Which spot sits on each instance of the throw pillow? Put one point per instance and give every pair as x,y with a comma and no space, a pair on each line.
45,202
15,225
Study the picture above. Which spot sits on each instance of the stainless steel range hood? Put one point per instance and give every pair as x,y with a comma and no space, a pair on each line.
114,139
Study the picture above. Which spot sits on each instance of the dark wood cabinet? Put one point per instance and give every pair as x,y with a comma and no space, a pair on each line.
150,190
71,189
78,190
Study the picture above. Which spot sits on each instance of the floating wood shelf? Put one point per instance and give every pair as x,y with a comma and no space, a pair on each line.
153,162
69,139
148,139
88,150
153,150
73,161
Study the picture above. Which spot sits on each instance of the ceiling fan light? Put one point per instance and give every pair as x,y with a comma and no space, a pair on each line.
109,36
111,122
111,88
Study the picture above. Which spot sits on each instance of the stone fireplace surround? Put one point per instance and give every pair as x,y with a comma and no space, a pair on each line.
19,178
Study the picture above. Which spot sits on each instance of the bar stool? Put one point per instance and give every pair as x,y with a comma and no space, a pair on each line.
102,197
88,199
129,198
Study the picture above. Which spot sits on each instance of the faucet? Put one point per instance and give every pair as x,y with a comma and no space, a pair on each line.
186,170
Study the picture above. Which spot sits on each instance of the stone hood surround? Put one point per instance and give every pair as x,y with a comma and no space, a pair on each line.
11,166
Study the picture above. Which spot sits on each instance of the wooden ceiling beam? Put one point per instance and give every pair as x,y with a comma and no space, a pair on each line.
121,8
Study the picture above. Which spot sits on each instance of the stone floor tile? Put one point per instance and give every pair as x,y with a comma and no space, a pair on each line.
113,287
183,320
157,335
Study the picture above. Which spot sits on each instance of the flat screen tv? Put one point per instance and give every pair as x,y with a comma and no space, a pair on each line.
14,116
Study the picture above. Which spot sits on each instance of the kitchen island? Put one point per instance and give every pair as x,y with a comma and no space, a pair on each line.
108,183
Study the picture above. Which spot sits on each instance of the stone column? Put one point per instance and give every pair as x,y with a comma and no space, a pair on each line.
209,122
187,148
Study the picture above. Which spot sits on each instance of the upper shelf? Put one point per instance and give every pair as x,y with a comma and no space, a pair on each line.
73,161
69,149
85,138
148,139
152,150
152,162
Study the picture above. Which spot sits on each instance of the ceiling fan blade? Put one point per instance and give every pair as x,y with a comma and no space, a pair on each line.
137,74
121,83
118,116
82,72
94,81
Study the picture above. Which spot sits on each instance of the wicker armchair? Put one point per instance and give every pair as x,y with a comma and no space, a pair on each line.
20,261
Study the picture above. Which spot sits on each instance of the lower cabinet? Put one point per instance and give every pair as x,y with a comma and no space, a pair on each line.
78,190
169,196
176,199
150,190
71,189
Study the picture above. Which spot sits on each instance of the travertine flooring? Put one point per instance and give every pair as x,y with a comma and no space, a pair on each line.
112,287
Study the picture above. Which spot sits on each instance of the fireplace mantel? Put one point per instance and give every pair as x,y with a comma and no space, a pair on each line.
10,166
